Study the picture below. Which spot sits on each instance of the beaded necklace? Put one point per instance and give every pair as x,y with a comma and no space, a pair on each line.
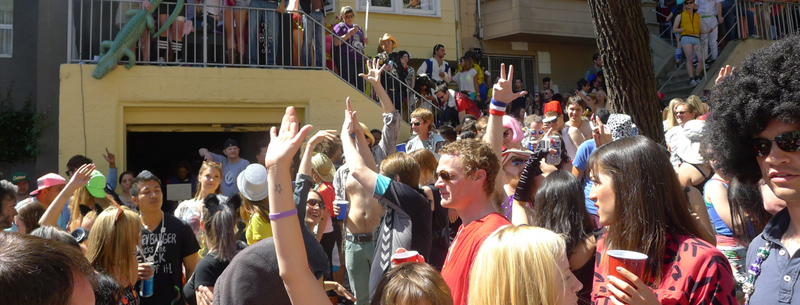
754,271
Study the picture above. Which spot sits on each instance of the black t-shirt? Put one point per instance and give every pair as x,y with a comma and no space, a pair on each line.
208,270
406,224
178,241
517,104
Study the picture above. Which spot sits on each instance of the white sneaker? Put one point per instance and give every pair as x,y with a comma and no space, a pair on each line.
693,82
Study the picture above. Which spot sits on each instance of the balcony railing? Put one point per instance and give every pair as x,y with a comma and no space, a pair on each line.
768,19
221,36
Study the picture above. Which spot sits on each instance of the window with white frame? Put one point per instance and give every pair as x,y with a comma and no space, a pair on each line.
404,7
6,27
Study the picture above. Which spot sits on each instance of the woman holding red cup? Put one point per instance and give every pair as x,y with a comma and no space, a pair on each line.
645,210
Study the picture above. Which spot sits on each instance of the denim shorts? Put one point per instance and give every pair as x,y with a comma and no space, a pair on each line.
685,40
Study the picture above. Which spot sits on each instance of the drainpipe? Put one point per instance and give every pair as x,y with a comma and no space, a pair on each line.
457,10
479,21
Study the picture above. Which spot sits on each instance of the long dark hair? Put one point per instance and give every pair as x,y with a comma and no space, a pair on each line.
219,225
748,215
560,207
648,197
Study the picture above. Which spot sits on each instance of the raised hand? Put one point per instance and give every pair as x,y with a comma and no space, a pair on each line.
285,143
727,70
321,135
110,158
146,5
503,91
350,126
82,176
373,71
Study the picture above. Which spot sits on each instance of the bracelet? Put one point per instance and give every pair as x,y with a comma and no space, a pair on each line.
499,103
276,216
497,112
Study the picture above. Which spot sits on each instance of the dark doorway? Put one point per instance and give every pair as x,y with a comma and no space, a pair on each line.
160,152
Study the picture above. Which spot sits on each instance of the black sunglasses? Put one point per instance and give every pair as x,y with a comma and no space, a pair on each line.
415,124
445,175
313,203
682,112
787,141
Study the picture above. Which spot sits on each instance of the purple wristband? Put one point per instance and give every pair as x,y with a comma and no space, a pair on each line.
276,216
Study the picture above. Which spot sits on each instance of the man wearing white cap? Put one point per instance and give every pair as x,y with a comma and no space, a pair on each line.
49,186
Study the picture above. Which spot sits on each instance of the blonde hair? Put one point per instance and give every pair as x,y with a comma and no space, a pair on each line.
112,243
518,266
207,165
697,103
412,283
423,114
669,113
346,9
80,197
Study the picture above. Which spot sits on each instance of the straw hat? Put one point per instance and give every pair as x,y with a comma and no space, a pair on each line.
323,166
388,36
252,182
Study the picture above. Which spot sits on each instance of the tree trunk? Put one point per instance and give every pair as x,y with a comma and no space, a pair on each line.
624,44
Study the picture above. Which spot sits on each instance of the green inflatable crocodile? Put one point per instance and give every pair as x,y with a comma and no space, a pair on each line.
112,52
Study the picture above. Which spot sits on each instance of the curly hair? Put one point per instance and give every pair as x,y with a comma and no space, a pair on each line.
764,88
475,155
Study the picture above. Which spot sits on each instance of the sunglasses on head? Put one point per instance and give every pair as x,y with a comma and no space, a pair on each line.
787,141
315,203
445,175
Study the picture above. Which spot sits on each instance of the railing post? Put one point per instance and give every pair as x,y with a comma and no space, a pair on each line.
70,31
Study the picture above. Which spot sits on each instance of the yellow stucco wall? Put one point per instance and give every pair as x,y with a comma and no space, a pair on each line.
415,34
185,96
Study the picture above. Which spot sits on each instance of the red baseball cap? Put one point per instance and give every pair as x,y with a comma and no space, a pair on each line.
48,180
553,106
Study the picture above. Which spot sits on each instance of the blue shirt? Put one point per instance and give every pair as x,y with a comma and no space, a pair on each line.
779,272
581,158
230,171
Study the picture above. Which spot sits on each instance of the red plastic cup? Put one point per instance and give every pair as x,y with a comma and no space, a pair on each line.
630,260
407,257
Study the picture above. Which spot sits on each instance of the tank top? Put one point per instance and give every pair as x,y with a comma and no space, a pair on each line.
719,225
690,24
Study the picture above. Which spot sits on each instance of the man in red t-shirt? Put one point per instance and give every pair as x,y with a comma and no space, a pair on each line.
460,104
467,175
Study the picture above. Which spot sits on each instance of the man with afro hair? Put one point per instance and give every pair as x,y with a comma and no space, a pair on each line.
755,124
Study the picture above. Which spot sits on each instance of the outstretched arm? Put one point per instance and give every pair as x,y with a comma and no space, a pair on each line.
502,95
352,136
78,180
373,76
300,283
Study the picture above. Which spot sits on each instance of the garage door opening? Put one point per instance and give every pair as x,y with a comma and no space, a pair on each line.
161,152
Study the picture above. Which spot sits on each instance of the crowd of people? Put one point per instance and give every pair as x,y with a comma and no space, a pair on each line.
494,211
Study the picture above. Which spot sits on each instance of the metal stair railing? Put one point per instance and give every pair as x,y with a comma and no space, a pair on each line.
216,38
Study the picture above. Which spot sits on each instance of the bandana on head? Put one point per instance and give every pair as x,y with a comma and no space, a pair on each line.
621,126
